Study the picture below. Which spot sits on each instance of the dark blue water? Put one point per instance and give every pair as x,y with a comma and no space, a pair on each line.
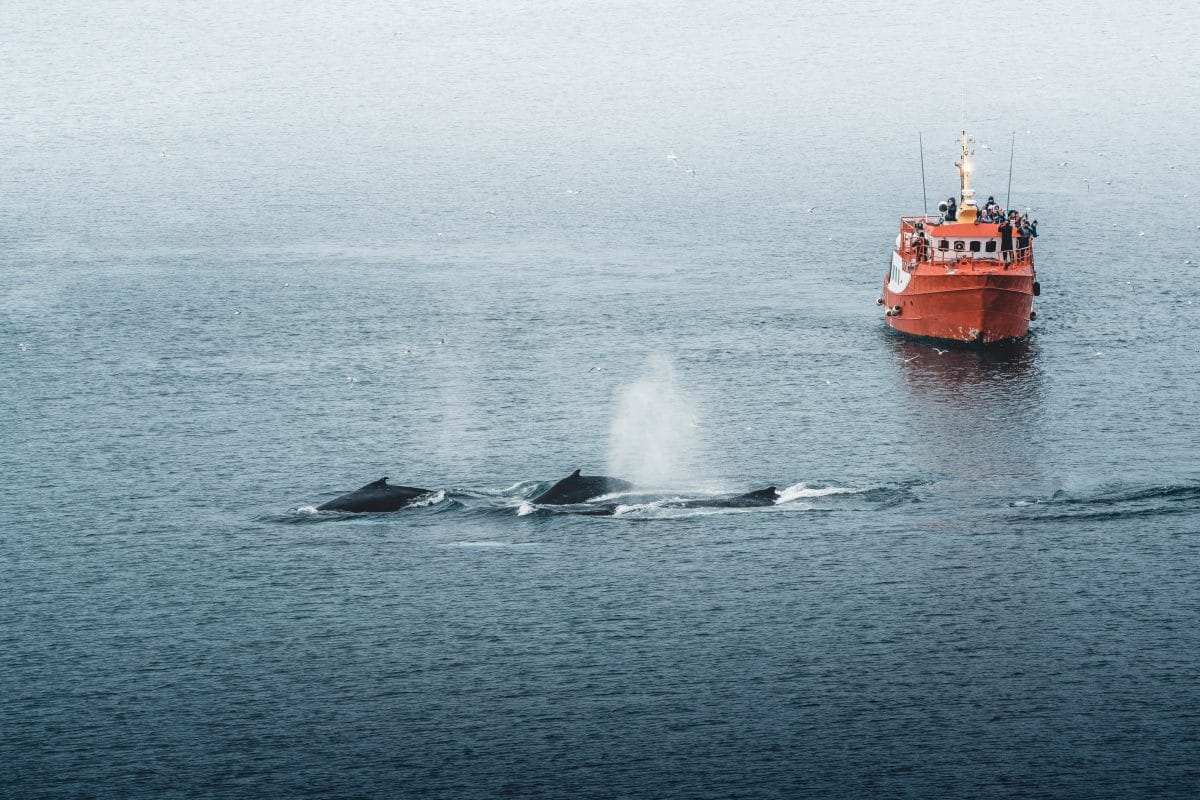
248,264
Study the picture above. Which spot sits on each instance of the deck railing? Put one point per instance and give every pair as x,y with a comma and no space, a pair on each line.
949,256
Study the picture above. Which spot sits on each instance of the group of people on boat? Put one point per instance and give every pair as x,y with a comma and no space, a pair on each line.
1014,228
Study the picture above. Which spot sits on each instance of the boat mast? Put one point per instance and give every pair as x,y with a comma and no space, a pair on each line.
967,211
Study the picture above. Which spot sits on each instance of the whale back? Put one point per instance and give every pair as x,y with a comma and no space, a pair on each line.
376,496
763,497
578,488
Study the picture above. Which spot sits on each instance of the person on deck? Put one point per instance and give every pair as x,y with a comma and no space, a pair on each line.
1022,231
921,246
1025,234
951,210
1006,241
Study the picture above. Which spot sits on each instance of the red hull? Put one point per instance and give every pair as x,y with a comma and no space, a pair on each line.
977,307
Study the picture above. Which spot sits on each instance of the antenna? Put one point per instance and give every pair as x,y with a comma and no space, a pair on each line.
1012,149
924,197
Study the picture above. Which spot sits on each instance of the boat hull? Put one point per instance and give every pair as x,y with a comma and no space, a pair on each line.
979,308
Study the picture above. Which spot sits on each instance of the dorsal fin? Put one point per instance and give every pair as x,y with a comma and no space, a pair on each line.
379,484
574,474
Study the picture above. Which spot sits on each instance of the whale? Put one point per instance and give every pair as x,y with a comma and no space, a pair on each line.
375,497
756,499
577,488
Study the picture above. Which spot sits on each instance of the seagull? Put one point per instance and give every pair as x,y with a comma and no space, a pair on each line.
351,380
441,340
986,147
595,369
1062,163
1089,184
286,285
237,311
671,156
914,358
812,209
162,153
691,172
408,351
24,346
1141,233
491,211
940,352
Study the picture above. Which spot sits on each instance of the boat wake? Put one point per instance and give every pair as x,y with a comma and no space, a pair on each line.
1114,503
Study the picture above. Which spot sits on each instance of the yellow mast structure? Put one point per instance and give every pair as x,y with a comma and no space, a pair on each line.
967,210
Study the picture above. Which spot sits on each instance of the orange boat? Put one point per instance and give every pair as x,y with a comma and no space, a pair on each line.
952,280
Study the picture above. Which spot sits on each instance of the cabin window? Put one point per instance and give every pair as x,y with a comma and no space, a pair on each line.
974,247
960,246
944,244
991,247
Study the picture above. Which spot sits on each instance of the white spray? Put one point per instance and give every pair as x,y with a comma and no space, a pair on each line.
653,440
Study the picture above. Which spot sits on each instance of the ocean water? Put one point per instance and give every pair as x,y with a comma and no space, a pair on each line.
255,256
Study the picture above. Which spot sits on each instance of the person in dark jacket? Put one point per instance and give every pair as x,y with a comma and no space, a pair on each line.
1006,241
921,246
1022,230
951,210
1025,234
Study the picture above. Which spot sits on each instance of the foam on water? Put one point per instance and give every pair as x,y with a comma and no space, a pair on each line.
429,500
801,490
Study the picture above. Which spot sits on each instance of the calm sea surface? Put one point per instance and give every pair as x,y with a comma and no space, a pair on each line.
254,256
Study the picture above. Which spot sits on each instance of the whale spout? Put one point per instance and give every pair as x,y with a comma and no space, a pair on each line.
376,496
